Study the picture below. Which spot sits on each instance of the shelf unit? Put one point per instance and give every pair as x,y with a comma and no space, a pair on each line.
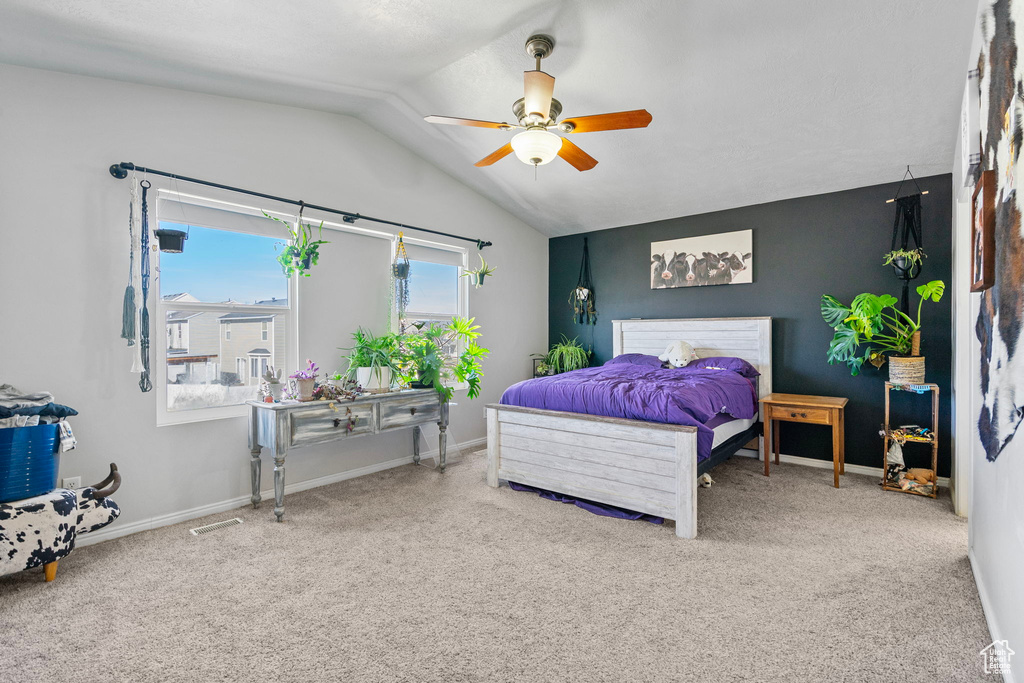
933,439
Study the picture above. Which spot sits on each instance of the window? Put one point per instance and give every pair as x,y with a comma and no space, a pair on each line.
437,293
219,297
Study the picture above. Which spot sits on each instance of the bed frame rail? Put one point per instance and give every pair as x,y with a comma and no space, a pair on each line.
642,466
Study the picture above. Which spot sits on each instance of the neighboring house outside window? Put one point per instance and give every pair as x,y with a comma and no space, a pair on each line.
229,317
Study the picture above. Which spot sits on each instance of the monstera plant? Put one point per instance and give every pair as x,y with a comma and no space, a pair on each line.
872,327
429,356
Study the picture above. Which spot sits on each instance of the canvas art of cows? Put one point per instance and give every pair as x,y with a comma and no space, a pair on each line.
722,259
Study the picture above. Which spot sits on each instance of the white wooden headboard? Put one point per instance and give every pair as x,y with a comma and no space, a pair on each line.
746,338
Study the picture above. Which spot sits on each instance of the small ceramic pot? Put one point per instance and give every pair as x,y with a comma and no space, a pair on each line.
276,391
305,389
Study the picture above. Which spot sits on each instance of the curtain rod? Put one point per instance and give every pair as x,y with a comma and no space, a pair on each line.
120,171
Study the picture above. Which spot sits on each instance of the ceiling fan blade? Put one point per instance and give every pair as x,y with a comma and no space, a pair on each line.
496,155
537,90
637,118
576,157
452,121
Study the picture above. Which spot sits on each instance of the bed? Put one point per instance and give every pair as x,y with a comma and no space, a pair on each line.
649,467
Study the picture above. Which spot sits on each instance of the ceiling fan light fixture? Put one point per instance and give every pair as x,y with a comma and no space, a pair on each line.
536,146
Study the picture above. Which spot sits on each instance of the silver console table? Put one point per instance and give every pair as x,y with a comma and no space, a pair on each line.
279,427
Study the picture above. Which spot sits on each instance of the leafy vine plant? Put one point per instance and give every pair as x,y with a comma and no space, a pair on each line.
302,251
874,322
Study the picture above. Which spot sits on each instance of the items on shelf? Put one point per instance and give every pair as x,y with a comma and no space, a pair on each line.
896,475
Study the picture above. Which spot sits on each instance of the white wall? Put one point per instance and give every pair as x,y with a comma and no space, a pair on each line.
63,268
996,495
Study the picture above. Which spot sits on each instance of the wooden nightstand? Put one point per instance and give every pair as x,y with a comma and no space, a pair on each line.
819,410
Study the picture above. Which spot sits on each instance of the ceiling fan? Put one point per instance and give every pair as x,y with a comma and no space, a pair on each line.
537,113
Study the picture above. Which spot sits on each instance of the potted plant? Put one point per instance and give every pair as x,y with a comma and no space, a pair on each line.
427,357
302,252
171,241
305,381
337,380
272,378
906,262
567,355
477,276
874,322
372,360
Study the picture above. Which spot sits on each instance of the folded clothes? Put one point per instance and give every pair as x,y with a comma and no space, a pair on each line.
51,409
13,397
19,421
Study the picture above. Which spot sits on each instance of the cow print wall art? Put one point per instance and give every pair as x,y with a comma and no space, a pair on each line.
722,259
1001,318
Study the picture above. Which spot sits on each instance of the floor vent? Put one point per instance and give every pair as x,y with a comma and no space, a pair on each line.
200,530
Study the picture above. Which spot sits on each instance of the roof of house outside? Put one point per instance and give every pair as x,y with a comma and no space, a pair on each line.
259,352
237,316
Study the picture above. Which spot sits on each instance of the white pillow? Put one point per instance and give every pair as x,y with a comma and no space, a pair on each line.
678,354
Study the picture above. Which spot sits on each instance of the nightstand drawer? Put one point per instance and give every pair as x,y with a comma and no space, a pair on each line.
800,414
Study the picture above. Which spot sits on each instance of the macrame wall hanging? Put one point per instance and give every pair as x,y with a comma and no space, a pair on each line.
907,227
144,380
582,298
128,312
400,277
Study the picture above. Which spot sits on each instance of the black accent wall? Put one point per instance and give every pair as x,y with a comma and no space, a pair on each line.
803,248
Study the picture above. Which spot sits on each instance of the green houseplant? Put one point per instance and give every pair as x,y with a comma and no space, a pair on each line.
373,360
567,355
302,251
477,276
873,322
429,356
906,262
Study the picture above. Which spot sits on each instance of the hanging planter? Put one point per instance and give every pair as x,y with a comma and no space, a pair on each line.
302,252
582,297
400,270
906,263
477,276
171,241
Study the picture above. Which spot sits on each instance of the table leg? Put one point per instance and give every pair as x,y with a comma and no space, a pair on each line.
775,443
842,442
416,445
256,468
442,436
279,487
767,445
837,449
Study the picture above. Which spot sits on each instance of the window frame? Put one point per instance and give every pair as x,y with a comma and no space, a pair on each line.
463,292
158,371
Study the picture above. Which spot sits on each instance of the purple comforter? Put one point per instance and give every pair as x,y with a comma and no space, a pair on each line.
684,396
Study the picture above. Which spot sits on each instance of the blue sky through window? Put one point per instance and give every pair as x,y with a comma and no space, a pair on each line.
218,265
433,288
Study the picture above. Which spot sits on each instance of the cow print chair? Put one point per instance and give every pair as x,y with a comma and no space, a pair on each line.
39,531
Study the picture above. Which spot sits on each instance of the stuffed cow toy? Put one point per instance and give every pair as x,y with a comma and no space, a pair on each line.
39,531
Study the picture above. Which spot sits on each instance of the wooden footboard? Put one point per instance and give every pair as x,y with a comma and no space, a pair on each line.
641,466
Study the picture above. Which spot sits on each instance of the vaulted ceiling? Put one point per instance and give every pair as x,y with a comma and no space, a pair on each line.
752,101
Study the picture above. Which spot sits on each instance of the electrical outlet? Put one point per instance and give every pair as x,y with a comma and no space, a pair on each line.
71,482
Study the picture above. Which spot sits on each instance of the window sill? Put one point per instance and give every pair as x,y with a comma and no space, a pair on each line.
168,419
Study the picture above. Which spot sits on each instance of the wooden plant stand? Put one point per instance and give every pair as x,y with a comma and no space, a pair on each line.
933,438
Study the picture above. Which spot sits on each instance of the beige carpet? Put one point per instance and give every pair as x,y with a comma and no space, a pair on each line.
409,575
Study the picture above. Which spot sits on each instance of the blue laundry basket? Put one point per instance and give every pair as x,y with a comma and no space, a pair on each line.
28,461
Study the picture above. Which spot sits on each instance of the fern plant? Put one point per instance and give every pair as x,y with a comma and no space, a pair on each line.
568,355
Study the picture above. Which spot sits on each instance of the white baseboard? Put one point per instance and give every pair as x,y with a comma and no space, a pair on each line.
827,465
986,608
116,531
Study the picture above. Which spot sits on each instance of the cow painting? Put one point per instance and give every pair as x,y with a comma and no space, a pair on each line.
722,259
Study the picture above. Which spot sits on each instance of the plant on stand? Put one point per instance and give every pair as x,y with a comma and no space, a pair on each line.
305,381
567,355
874,322
429,357
373,360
